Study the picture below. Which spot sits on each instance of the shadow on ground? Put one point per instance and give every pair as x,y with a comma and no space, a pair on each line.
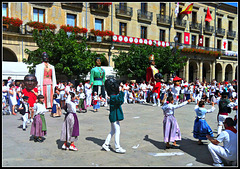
96,140
59,143
158,144
200,152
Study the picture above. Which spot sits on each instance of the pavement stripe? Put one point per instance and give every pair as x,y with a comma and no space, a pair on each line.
166,154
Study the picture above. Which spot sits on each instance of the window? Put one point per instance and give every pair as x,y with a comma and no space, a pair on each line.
229,25
207,24
122,5
219,44
194,17
4,9
71,20
162,9
143,32
179,35
143,7
219,23
229,45
179,16
207,42
194,40
39,15
162,35
99,26
123,29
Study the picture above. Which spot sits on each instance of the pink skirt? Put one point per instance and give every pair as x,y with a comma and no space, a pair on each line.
36,128
171,130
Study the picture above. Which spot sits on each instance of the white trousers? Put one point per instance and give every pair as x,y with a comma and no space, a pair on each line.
125,96
155,95
115,129
25,119
218,151
221,119
88,99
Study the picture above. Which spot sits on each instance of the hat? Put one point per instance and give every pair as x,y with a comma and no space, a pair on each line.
25,97
151,58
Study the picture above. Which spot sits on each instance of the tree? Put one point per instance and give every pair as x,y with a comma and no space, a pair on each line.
135,62
69,57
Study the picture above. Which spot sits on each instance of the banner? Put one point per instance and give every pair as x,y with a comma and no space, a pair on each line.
186,38
177,9
224,44
127,39
200,42
208,17
187,10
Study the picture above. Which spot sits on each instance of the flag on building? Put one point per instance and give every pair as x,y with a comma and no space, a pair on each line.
186,38
208,16
177,9
200,41
187,10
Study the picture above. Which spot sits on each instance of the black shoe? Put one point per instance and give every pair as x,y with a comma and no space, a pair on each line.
24,129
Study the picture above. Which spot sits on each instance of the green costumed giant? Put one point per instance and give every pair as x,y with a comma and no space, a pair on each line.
97,78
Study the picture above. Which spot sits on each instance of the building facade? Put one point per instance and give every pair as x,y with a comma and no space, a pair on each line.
154,20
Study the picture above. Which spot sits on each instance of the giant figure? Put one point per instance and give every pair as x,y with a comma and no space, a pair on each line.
151,70
46,78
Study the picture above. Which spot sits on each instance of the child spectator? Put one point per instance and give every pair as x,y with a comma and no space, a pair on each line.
96,102
82,101
56,109
24,111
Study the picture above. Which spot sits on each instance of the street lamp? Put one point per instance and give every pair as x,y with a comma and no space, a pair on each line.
175,50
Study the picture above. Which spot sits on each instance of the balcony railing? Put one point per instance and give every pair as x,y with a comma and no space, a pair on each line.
123,11
73,5
208,29
220,31
10,28
195,26
180,23
99,8
144,15
231,34
163,19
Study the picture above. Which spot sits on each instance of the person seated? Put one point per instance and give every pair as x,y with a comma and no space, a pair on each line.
229,149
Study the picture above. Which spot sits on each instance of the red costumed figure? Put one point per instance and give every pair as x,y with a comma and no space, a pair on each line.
151,70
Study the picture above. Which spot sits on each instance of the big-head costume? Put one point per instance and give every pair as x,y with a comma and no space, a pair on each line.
151,70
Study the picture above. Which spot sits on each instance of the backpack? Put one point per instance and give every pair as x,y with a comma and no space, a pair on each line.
223,106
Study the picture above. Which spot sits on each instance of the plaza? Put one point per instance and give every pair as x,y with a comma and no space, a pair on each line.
141,136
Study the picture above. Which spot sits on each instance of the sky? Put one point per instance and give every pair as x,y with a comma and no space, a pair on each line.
232,3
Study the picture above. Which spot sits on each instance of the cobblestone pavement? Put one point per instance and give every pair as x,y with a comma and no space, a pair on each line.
141,136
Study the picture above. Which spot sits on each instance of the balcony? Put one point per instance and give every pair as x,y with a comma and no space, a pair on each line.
208,29
220,32
144,16
99,8
195,27
123,12
10,28
163,20
231,34
181,24
73,6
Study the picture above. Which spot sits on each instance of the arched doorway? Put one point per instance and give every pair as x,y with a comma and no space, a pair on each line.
206,72
9,55
218,72
228,73
193,68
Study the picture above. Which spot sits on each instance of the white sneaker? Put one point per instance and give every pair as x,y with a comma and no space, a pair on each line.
120,150
159,105
218,165
73,148
106,147
154,105
65,147
31,120
28,122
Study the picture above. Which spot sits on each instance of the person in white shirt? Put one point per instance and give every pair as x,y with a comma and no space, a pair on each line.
12,98
176,90
126,88
61,88
82,101
80,86
88,92
70,127
130,94
143,87
229,149
39,127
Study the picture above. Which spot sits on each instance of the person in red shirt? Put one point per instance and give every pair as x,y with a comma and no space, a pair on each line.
30,90
157,88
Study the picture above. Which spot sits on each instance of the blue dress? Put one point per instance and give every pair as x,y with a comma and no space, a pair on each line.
201,128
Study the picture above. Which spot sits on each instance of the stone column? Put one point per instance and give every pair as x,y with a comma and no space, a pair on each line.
233,71
223,71
200,70
187,71
213,70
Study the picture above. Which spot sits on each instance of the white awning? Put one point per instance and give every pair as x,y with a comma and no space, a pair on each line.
16,70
